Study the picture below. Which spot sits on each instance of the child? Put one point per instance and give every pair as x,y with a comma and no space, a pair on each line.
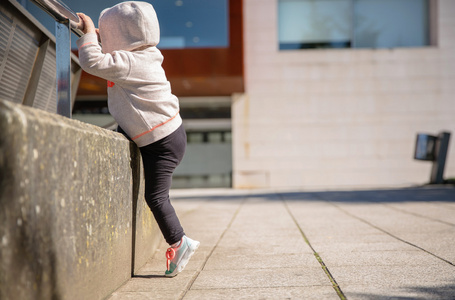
140,100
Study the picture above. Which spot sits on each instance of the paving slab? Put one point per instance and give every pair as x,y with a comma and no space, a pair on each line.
231,259
439,243
393,276
260,278
274,243
390,219
405,292
433,236
378,258
352,246
382,244
307,292
435,211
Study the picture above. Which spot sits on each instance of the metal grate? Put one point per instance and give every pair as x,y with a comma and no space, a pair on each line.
18,51
46,91
5,29
28,60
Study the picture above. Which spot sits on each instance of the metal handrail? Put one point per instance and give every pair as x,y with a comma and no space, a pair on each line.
60,12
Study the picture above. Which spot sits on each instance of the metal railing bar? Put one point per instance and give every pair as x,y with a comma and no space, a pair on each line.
60,12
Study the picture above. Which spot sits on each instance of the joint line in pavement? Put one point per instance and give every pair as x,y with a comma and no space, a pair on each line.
390,234
335,285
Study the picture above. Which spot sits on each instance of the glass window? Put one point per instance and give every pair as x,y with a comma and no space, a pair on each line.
304,24
215,137
195,137
314,24
391,23
183,23
192,23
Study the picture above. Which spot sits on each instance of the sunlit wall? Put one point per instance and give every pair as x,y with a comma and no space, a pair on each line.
332,113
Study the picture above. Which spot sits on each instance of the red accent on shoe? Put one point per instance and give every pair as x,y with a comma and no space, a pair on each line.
170,254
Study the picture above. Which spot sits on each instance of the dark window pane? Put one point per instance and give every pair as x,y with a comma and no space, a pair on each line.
390,23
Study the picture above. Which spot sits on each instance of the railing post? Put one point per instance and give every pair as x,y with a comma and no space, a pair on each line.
63,53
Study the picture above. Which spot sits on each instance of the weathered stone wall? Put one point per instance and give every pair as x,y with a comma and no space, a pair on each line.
73,222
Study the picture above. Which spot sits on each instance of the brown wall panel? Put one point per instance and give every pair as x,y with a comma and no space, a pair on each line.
196,71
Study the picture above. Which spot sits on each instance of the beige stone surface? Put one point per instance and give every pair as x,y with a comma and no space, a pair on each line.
73,221
339,117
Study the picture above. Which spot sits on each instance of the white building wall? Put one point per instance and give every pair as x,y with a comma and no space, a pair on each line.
339,117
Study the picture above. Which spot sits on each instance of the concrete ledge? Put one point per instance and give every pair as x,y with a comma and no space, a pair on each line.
73,222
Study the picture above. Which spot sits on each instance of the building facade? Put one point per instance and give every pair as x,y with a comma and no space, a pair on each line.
331,118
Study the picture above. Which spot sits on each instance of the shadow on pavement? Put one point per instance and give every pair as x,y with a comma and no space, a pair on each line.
440,193
418,292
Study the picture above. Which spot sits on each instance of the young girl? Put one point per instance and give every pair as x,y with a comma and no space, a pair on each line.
140,100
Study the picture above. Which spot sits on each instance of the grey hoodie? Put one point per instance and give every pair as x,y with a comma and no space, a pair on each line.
139,95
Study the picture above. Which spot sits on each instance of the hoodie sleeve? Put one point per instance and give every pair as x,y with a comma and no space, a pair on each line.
113,67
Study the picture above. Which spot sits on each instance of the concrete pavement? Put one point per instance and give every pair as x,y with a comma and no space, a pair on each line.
376,244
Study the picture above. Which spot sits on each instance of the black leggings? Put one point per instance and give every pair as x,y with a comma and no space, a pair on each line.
160,160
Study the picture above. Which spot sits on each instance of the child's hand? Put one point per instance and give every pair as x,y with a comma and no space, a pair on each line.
85,24
98,34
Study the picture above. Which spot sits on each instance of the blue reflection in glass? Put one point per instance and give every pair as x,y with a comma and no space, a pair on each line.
192,23
183,23
391,23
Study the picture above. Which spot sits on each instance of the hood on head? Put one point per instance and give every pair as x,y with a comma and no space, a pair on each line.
128,25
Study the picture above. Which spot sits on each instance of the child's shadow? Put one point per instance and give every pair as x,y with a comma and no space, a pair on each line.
149,276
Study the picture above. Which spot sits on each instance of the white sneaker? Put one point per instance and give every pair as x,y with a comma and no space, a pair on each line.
178,257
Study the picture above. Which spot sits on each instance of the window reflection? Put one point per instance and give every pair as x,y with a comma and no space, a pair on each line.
183,23
307,24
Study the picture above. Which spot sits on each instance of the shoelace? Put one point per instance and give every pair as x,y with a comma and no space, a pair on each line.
170,254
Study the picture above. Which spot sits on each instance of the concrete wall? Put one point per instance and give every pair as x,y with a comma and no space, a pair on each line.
339,117
73,222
